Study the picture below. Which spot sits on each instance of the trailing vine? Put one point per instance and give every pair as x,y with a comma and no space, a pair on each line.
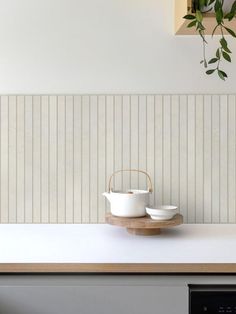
196,18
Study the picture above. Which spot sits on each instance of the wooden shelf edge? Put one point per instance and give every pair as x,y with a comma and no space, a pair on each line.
181,9
14,268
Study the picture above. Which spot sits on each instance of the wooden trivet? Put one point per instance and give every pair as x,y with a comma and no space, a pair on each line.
144,225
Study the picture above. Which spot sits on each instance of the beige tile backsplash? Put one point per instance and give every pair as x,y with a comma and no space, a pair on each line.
57,153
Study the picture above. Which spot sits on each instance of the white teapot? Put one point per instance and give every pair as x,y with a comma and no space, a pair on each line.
131,203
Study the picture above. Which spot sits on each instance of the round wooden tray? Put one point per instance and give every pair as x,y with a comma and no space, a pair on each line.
144,225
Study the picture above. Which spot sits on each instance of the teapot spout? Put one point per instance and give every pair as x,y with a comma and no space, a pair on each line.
107,195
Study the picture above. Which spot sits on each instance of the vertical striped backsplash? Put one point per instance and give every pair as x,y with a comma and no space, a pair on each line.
57,153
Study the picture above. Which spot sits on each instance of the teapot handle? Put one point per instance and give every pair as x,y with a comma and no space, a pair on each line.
150,188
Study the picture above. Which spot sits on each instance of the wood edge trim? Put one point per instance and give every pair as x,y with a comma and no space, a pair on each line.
209,23
117,268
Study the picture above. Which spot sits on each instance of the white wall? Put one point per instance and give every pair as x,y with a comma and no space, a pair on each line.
57,152
100,46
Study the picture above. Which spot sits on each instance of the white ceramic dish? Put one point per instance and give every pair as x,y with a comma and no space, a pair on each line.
164,212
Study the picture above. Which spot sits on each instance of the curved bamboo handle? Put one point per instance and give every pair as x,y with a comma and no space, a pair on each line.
150,189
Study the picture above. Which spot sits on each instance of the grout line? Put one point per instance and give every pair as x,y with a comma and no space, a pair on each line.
32,216
138,139
57,156
130,141
98,159
105,150
179,153
49,156
219,159
0,159
65,159
89,149
202,146
8,159
81,159
187,157
146,138
154,148
195,158
114,137
171,149
211,160
162,149
234,157
122,128
227,141
24,156
40,159
16,218
203,183
73,160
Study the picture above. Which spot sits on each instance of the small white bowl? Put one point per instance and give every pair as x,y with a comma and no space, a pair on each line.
161,213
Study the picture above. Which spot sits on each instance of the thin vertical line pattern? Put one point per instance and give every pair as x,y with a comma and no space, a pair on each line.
8,158
73,160
0,159
212,170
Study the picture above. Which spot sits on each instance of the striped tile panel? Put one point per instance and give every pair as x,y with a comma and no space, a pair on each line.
57,153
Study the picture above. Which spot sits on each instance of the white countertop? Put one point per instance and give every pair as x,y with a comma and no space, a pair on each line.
108,244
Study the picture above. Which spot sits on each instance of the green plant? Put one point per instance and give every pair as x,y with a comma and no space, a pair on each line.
196,20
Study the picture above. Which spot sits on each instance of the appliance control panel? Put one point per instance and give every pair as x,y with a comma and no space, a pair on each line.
212,299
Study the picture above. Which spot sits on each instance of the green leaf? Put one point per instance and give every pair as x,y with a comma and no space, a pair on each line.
200,26
232,33
202,3
199,16
201,61
229,16
189,17
233,8
218,53
224,45
223,42
191,24
213,60
226,56
227,49
219,16
208,72
218,5
222,75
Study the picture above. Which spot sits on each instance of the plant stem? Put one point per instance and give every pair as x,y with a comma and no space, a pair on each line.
221,49
204,48
221,29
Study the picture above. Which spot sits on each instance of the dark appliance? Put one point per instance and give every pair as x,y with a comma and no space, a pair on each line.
212,299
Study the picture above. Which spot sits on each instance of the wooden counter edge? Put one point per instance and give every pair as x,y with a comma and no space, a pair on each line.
117,268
